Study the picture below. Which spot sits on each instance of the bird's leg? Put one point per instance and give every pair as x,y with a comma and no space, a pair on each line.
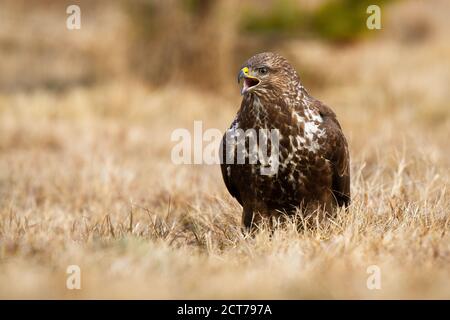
254,220
247,219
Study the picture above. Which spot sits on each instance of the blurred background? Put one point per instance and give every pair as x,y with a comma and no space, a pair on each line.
198,43
162,64
85,122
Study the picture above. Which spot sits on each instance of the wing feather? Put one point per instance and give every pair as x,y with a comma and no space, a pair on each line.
227,171
337,153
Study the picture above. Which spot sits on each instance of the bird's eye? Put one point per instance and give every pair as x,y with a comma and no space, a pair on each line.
263,70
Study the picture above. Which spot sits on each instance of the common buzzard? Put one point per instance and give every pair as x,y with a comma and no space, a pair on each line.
313,170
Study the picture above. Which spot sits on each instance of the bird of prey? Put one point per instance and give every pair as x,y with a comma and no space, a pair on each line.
313,172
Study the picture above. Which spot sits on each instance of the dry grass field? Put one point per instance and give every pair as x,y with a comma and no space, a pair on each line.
86,176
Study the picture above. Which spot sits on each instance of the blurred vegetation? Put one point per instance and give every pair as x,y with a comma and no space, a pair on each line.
343,20
178,39
200,43
187,39
336,20
283,16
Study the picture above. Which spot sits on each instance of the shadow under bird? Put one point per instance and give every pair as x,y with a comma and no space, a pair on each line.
313,170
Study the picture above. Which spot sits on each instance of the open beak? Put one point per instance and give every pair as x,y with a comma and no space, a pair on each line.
248,81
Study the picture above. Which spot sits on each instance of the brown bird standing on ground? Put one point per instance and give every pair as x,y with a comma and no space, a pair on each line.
313,170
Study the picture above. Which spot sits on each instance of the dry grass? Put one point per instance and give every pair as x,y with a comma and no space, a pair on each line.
86,179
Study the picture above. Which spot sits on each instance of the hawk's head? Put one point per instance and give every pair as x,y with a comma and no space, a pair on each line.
269,74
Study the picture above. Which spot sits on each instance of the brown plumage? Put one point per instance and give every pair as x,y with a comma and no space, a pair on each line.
313,157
